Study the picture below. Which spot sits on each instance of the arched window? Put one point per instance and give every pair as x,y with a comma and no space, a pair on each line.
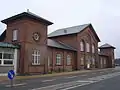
87,47
68,60
82,61
81,46
93,48
93,60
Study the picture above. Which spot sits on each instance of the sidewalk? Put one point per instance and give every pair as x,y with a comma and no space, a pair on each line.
4,78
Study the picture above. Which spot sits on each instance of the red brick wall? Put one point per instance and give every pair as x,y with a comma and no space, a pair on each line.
26,27
88,37
52,55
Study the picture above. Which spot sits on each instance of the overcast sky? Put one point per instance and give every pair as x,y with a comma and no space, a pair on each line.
104,15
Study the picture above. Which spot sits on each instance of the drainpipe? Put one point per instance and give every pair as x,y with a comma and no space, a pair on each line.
15,60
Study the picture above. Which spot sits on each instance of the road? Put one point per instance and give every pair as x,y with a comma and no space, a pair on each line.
95,80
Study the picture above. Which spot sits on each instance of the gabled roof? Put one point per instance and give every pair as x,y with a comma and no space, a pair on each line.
72,30
69,30
27,14
106,46
56,44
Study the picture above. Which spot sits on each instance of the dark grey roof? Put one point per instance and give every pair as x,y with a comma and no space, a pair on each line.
106,46
27,14
73,30
8,45
56,44
69,30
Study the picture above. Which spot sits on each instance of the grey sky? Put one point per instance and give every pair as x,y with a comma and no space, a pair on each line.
103,14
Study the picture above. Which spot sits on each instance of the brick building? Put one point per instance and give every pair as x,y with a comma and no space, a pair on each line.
67,49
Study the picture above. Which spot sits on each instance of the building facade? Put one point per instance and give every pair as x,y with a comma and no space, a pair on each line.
67,49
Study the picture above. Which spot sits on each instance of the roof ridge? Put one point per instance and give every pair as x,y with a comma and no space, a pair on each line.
71,26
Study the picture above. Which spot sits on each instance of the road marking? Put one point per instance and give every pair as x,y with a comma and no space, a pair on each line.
72,77
93,73
16,84
61,85
75,86
101,72
48,80
84,75
85,81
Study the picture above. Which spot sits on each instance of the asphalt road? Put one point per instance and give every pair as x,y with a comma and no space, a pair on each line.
96,80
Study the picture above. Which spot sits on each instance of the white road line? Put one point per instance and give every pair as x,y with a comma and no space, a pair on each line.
61,85
72,77
16,85
101,72
75,86
93,73
48,80
83,75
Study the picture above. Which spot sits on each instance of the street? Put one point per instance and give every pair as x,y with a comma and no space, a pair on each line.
95,80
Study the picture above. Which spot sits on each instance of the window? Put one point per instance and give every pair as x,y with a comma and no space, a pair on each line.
101,62
87,47
6,58
36,57
15,35
82,61
81,46
8,62
58,59
88,58
93,49
68,60
48,61
104,61
93,60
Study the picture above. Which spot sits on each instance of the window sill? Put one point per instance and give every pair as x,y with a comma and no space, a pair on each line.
69,65
35,64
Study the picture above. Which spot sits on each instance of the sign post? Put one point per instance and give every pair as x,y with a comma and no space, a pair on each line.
11,75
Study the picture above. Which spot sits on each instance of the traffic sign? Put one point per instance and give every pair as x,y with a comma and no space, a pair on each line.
11,74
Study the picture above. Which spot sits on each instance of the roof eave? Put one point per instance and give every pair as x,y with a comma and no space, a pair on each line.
6,21
106,47
61,48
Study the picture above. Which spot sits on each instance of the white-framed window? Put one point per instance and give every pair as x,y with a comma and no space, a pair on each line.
93,60
36,57
101,61
104,61
6,58
68,60
87,47
81,46
15,35
82,61
48,61
93,48
58,59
